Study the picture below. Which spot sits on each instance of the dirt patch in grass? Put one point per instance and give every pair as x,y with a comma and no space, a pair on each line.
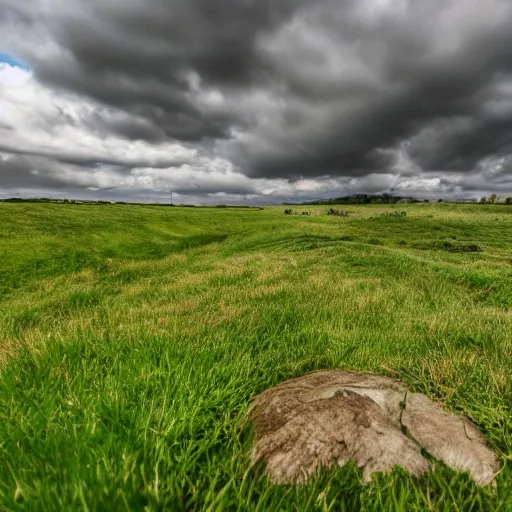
447,246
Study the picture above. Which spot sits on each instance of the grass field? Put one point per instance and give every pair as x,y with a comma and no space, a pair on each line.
132,339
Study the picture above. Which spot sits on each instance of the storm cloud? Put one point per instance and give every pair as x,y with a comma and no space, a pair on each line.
257,100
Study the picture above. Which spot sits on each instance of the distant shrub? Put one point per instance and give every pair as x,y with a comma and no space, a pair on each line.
288,211
338,213
395,214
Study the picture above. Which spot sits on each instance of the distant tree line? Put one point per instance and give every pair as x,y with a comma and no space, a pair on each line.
493,199
366,199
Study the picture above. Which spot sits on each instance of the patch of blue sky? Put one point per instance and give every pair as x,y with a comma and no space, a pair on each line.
13,61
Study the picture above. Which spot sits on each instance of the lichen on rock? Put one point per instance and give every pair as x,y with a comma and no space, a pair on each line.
329,418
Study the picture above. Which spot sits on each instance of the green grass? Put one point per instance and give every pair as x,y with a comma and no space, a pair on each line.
132,339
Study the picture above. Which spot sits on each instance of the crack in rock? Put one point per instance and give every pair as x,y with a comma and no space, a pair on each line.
328,418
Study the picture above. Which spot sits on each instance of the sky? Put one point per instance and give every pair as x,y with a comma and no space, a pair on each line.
255,101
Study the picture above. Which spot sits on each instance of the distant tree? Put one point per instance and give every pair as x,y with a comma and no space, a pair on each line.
493,198
483,200
508,200
440,201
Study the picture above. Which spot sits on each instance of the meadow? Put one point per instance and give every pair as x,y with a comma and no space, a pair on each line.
132,339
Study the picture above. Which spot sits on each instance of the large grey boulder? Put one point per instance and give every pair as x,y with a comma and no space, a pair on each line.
328,418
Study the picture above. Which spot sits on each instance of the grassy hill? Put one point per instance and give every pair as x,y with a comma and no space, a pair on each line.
132,339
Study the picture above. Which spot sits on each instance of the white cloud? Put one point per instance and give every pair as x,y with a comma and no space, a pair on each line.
13,76
53,123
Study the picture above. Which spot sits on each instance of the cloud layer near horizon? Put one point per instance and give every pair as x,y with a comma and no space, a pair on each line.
256,101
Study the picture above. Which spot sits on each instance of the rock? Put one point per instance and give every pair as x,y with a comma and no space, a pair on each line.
328,418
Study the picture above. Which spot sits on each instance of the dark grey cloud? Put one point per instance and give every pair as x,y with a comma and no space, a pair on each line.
281,89
138,56
417,82
461,144
91,161
23,171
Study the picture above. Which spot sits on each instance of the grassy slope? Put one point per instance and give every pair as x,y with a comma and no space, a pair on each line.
132,339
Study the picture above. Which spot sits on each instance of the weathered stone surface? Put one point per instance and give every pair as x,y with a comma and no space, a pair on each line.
327,418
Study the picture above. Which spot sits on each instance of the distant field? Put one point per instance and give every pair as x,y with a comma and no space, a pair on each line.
132,339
